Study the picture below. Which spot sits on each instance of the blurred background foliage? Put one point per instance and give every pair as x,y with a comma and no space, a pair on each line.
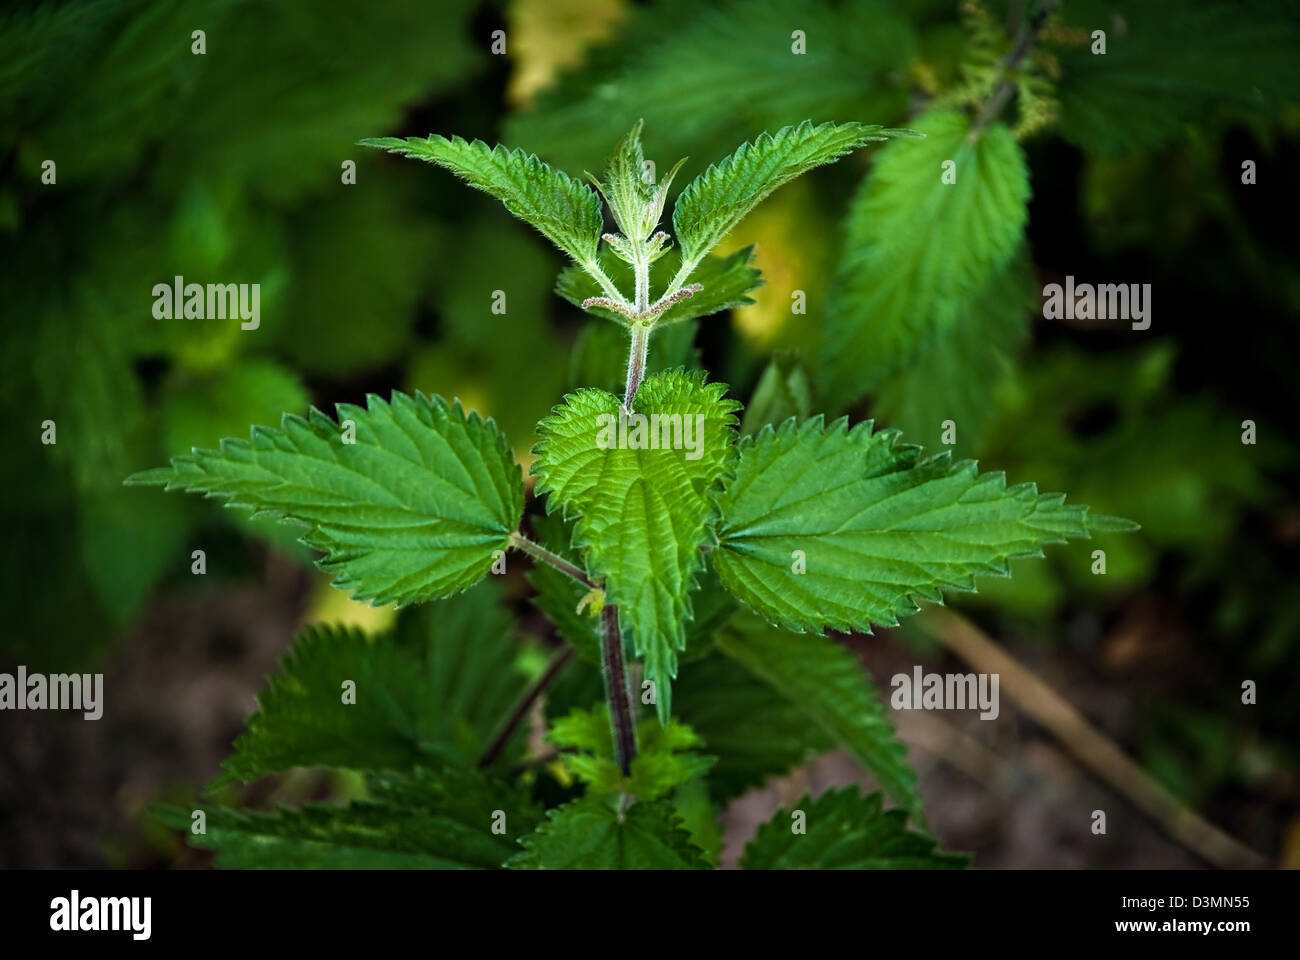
228,167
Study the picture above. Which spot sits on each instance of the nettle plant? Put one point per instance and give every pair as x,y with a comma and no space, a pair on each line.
686,568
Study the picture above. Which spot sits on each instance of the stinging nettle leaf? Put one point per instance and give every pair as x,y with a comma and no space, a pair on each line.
844,831
663,762
566,211
575,614
718,199
961,373
436,689
877,523
589,834
642,513
423,820
412,511
625,189
932,225
828,684
755,730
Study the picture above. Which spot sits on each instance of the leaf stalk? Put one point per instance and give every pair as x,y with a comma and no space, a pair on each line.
539,552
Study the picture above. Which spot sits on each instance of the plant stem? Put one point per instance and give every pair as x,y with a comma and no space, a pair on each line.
640,327
641,270
539,552
1029,32
616,693
525,704
636,361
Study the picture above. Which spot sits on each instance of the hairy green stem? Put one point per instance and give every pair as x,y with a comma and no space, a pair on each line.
616,693
641,270
636,361
539,552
